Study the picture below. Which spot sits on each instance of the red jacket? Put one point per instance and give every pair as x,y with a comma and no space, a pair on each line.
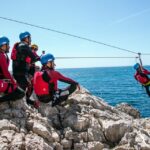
142,77
4,64
56,76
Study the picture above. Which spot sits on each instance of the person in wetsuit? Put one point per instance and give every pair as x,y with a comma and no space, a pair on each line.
51,76
8,86
21,64
141,76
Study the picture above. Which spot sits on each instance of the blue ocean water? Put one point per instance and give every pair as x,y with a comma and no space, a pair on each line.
114,84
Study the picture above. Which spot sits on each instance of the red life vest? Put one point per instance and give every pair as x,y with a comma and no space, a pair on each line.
142,78
6,86
40,86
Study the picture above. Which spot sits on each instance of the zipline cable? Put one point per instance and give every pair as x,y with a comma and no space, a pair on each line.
90,57
145,53
68,34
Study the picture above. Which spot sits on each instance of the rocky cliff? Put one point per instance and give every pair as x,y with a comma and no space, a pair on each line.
83,122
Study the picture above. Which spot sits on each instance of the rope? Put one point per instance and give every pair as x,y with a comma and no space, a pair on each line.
90,57
68,34
145,53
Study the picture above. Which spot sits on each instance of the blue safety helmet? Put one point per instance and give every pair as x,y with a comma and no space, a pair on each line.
136,66
4,40
46,58
24,35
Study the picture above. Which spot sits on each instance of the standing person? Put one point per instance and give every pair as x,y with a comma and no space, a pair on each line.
21,64
141,76
34,49
8,85
48,89
33,67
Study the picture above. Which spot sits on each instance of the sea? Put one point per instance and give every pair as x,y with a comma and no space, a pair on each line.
114,85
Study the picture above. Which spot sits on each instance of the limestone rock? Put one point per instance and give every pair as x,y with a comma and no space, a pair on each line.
41,130
33,141
124,107
83,122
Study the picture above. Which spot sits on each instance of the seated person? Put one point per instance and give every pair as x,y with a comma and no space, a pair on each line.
45,82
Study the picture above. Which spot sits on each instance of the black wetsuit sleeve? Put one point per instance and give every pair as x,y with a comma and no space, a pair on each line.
30,54
26,50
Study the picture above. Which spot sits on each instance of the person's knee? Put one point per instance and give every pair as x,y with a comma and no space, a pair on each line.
73,87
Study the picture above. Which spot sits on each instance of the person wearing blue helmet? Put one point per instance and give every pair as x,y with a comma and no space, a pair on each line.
24,35
22,57
46,58
8,86
136,66
141,76
50,91
4,41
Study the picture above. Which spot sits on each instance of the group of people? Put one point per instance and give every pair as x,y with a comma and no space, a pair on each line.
27,77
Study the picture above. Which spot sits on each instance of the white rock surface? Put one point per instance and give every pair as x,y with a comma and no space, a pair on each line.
83,122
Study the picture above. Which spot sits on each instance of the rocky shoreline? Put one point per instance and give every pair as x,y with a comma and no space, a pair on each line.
83,122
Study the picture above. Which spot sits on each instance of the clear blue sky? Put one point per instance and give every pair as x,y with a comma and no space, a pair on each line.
122,23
